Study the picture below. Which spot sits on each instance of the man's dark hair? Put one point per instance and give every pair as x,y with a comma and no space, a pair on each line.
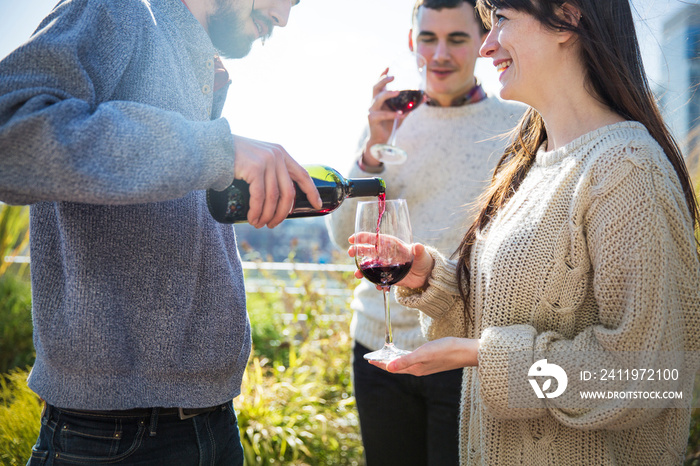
440,4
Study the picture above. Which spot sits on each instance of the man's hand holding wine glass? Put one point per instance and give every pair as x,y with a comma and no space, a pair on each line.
399,91
380,118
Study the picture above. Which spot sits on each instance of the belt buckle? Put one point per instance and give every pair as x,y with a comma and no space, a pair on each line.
183,416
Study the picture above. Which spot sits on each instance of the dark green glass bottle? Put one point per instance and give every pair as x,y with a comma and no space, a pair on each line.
232,204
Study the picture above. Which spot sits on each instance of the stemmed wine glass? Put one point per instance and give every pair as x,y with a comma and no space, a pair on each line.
409,75
384,255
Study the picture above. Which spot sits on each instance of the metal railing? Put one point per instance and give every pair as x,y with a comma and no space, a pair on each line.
291,266
261,285
17,259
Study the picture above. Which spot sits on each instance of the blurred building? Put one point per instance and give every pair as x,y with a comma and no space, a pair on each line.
680,100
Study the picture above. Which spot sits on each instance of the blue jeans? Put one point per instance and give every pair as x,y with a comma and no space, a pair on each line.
404,419
72,437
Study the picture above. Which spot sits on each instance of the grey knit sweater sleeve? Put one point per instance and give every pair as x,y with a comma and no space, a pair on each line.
79,121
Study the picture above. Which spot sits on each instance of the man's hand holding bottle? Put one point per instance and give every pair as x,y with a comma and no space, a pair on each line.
271,172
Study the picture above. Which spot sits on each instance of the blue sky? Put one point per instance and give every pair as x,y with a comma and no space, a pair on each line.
309,87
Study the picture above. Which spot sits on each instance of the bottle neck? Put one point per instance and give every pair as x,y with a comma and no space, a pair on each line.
365,187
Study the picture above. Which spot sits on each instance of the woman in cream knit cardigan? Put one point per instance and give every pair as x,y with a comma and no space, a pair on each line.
582,262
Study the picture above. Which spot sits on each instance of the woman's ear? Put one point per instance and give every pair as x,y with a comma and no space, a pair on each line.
569,15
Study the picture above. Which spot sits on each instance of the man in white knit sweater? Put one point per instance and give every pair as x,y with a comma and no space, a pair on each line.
405,419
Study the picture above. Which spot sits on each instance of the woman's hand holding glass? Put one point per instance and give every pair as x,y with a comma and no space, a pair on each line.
423,262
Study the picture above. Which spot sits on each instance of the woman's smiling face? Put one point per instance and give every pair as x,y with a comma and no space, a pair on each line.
524,53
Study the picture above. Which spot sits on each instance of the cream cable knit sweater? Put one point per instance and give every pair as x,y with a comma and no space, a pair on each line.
452,153
593,256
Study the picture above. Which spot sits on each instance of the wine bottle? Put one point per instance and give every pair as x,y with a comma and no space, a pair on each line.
232,204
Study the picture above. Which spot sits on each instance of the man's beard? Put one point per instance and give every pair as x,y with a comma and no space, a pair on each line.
227,31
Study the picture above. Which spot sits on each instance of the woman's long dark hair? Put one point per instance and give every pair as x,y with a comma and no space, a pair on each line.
614,75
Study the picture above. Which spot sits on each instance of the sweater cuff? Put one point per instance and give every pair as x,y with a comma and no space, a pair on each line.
505,357
442,290
373,169
220,145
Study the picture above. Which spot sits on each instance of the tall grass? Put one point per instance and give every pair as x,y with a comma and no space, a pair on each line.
296,406
16,346
19,418
14,233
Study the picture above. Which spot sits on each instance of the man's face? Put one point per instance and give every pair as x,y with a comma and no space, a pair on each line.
449,40
235,24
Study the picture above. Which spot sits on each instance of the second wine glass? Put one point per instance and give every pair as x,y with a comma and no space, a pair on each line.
409,75
384,255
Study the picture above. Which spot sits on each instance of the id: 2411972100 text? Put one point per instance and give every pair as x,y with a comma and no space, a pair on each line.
630,374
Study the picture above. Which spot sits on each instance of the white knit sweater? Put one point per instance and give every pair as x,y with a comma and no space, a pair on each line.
593,256
451,155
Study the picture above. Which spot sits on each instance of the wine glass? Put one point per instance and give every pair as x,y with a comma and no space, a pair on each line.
384,255
409,79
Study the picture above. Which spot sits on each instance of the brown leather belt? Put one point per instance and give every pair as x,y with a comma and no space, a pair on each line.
183,413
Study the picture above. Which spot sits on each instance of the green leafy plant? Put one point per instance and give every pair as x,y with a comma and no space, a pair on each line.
16,346
296,404
14,233
20,410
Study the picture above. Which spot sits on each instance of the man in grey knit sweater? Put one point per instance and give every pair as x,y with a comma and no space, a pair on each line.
110,128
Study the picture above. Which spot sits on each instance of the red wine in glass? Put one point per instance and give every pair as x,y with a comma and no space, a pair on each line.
384,274
405,102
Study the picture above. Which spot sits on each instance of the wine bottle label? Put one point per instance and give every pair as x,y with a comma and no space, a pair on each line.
230,205
235,204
